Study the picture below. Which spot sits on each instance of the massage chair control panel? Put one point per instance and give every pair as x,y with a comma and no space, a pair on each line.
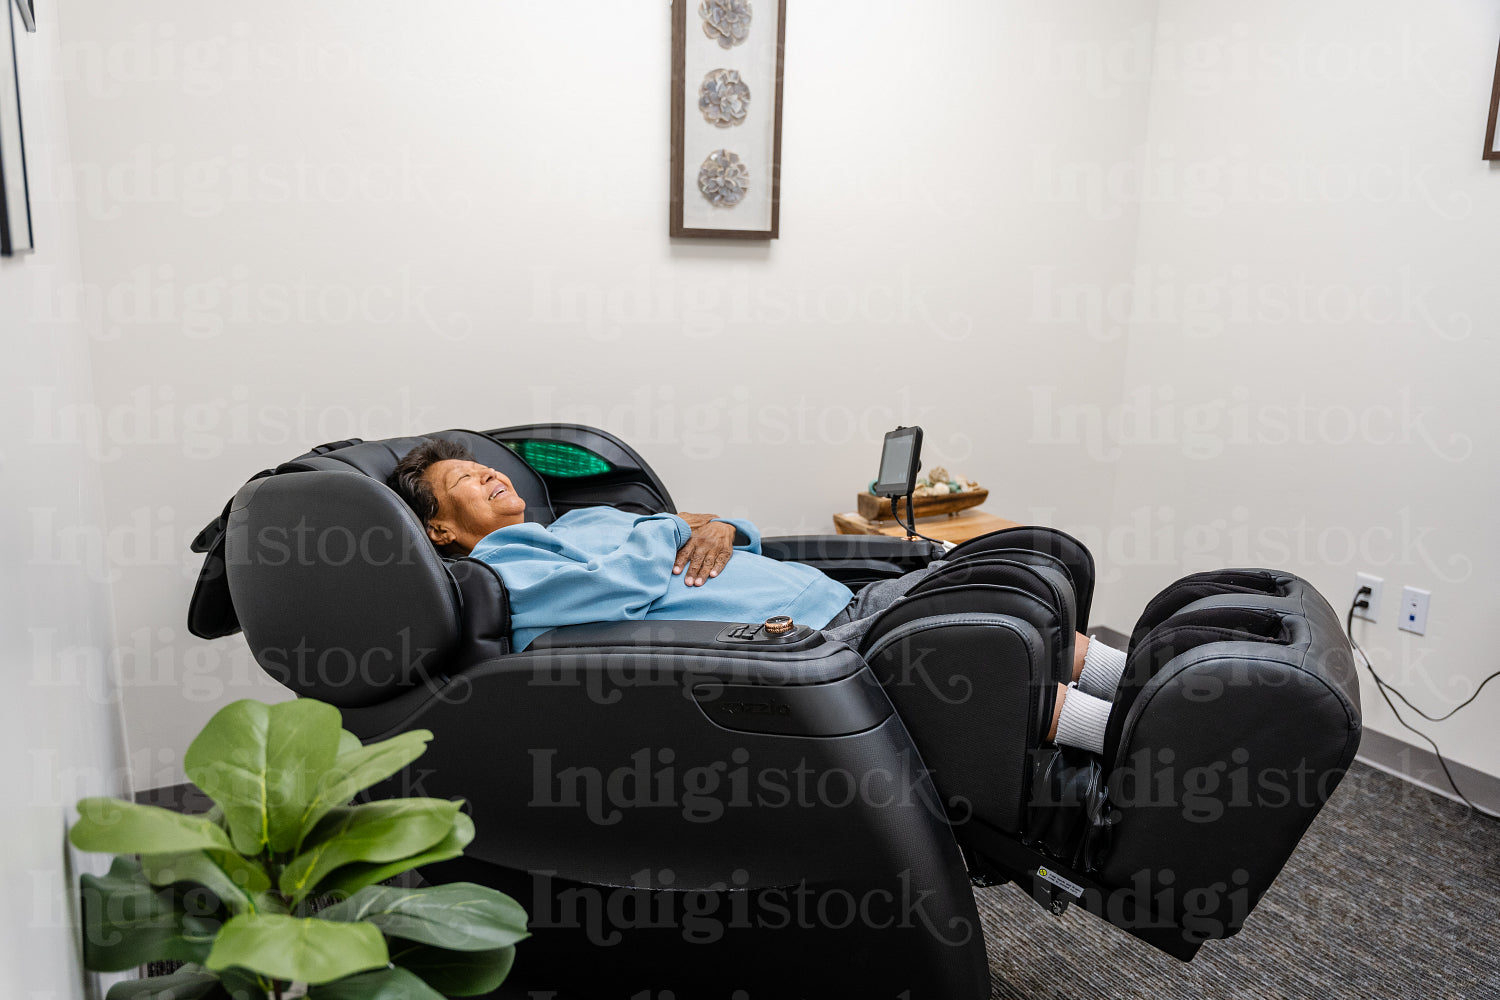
775,631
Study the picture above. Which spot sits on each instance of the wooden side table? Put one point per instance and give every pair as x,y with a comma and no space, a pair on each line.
958,527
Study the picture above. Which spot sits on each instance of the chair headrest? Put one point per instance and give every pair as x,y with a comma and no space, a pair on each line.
378,460
340,595
212,613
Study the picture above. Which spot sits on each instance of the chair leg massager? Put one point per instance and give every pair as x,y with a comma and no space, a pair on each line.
709,809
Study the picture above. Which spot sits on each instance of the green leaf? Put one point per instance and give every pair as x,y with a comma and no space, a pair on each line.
456,973
229,876
374,832
184,984
348,742
461,916
191,982
386,984
351,878
116,827
305,950
242,985
126,922
262,763
357,769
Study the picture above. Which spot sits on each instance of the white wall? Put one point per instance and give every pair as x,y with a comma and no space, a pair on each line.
60,735
1309,384
303,222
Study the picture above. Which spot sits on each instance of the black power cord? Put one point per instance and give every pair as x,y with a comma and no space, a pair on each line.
911,513
1361,601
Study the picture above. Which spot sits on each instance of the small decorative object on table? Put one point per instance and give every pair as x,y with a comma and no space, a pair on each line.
938,492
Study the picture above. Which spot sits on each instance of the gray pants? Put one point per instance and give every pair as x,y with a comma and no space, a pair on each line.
851,624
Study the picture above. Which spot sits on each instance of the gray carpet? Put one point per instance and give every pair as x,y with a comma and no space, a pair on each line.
1393,893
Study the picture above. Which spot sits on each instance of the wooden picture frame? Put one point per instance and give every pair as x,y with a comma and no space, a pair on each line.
15,194
1491,141
731,145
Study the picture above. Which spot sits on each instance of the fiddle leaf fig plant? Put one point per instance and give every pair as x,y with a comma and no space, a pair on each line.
235,893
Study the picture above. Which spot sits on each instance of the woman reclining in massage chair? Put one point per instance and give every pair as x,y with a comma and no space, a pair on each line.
603,564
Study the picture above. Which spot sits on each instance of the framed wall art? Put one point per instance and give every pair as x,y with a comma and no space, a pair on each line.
15,198
1491,140
726,118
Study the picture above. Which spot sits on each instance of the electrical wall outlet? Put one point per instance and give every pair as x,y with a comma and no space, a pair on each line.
1414,610
1377,587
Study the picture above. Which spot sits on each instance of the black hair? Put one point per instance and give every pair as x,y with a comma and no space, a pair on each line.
410,478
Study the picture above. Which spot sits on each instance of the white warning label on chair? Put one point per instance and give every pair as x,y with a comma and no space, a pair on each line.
1071,888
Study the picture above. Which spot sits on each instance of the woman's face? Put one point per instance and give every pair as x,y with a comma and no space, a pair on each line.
473,500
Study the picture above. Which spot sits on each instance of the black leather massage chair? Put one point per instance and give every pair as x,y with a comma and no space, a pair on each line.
714,809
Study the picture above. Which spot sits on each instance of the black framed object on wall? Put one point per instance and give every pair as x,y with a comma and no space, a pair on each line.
727,58
1491,140
15,195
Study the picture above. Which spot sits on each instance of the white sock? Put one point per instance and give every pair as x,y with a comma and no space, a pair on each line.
1083,721
1102,667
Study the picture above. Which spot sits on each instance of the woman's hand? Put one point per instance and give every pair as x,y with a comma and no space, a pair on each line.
706,552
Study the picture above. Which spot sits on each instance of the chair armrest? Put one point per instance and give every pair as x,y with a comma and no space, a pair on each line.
568,713
853,559
666,636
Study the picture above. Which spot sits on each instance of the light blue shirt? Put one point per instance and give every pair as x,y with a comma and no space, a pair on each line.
600,564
